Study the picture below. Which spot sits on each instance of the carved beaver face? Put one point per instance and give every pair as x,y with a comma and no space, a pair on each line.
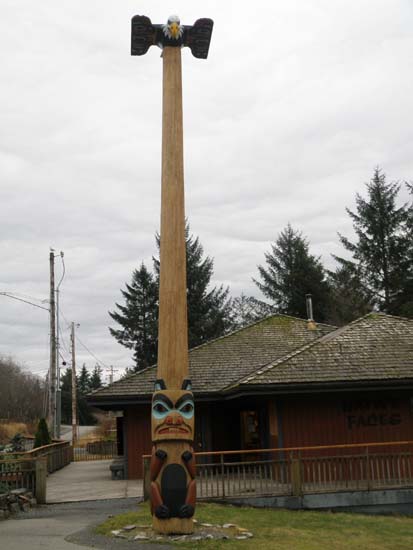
172,414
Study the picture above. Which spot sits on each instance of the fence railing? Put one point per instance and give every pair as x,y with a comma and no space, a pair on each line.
16,473
58,454
301,470
29,469
95,450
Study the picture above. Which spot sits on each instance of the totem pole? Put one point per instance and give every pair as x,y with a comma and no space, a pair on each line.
172,468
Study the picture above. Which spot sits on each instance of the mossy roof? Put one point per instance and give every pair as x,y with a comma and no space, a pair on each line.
221,363
377,347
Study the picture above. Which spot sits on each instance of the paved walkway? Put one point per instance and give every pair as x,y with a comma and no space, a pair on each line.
89,480
68,527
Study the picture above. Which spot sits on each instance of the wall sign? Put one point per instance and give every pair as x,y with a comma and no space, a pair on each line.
367,413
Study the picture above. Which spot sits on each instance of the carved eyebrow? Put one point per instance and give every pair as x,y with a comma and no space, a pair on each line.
185,397
165,399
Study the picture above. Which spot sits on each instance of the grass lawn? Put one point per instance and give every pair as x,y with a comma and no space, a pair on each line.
289,530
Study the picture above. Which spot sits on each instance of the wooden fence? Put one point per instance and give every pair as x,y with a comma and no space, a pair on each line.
95,450
30,469
305,470
16,473
57,455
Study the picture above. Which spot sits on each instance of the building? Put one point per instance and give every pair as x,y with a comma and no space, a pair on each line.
284,382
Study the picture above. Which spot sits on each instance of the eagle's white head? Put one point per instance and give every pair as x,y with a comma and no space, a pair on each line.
173,28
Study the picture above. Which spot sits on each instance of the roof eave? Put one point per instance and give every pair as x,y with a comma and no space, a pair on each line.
119,401
319,387
111,402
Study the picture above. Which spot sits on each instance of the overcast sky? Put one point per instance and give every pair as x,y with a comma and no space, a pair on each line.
285,122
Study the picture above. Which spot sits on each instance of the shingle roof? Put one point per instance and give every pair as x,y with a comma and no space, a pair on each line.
222,362
375,347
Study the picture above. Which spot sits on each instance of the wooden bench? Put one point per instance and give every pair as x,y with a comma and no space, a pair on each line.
117,468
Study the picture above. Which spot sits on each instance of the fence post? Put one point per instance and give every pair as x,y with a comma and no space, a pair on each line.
41,475
222,475
296,481
146,478
368,469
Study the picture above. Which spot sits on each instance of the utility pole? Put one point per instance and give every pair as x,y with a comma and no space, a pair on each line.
58,393
74,389
111,371
46,397
52,379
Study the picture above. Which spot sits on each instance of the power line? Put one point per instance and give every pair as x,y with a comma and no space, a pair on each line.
38,372
92,354
84,345
66,321
61,340
21,300
28,296
63,358
64,270
99,361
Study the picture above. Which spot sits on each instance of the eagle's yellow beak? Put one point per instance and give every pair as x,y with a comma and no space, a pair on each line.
174,28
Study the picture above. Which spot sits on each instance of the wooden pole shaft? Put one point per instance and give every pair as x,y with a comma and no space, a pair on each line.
173,328
53,382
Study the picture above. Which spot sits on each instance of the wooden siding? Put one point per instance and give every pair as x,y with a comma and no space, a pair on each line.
345,419
138,438
295,421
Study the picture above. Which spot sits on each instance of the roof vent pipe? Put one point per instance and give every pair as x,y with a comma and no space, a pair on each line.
311,325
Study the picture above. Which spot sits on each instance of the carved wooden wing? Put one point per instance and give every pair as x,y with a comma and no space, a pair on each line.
198,37
143,35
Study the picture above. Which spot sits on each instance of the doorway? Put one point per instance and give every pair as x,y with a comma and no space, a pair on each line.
250,430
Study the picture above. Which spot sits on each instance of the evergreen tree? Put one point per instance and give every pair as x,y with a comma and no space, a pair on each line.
42,436
208,308
382,253
406,294
83,386
291,273
83,382
96,378
349,299
127,372
247,309
84,411
139,318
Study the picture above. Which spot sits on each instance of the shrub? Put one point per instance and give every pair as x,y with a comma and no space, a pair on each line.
17,443
42,436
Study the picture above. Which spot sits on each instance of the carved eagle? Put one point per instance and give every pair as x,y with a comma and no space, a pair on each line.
196,37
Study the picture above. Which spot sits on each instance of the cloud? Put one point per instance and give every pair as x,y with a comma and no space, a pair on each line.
284,122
